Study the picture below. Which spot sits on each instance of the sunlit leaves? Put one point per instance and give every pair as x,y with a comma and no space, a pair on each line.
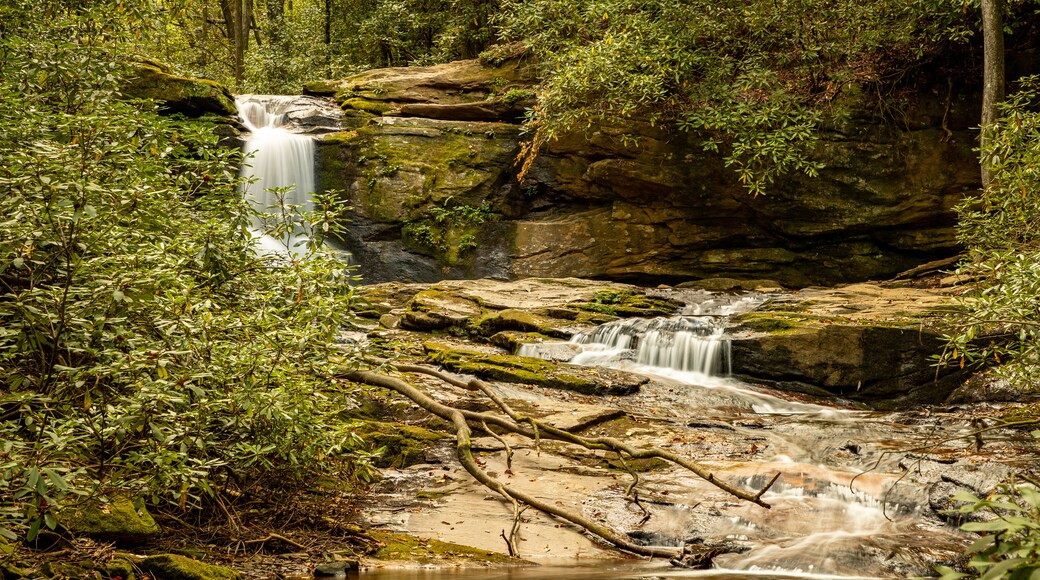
750,79
145,347
1009,522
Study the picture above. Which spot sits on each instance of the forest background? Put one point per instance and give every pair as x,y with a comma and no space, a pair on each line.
146,350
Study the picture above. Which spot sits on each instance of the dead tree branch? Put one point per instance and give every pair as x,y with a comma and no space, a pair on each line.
464,421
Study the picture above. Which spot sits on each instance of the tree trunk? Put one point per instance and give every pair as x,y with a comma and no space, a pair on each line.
247,20
328,38
992,77
233,13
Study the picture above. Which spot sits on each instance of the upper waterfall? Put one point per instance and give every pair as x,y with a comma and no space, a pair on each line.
279,168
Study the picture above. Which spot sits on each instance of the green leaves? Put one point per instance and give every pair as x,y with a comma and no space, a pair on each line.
751,80
1009,521
145,347
998,322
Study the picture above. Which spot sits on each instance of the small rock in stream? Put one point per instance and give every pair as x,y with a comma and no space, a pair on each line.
332,569
697,555
851,447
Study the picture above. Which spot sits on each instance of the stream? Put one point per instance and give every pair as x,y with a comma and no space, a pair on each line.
859,493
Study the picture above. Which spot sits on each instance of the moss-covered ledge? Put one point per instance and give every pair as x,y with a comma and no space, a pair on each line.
176,567
532,371
194,97
402,445
114,520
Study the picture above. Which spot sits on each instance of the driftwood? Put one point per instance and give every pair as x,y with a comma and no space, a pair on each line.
465,421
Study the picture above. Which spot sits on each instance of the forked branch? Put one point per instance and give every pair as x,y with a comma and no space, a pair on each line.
465,421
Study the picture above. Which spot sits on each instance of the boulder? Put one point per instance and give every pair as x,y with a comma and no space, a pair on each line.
176,94
403,445
467,85
336,568
115,520
176,567
862,342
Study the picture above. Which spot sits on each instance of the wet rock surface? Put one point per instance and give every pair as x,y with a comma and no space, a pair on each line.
859,493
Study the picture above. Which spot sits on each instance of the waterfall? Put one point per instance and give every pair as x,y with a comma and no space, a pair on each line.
279,159
690,344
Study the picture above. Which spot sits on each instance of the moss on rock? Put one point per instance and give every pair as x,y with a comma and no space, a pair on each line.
625,303
397,547
772,322
116,520
438,309
523,321
120,568
367,105
525,370
174,567
512,340
177,94
403,445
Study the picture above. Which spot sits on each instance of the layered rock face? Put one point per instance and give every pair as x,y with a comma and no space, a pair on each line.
429,171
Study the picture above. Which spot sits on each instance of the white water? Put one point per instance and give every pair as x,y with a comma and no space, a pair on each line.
680,343
279,159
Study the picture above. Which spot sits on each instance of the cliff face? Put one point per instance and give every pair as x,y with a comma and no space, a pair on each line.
428,170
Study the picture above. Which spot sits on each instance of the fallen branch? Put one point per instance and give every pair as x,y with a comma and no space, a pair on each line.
464,421
274,536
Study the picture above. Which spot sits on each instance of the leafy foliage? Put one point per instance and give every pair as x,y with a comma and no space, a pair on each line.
449,228
1010,542
288,44
144,345
749,77
999,322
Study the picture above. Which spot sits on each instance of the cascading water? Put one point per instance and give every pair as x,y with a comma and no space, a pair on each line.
681,343
279,172
692,342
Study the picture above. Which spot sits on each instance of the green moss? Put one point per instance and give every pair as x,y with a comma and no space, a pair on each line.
448,231
522,321
341,138
398,547
120,568
767,323
514,96
403,445
117,520
511,340
626,303
189,96
174,567
366,105
321,88
517,369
